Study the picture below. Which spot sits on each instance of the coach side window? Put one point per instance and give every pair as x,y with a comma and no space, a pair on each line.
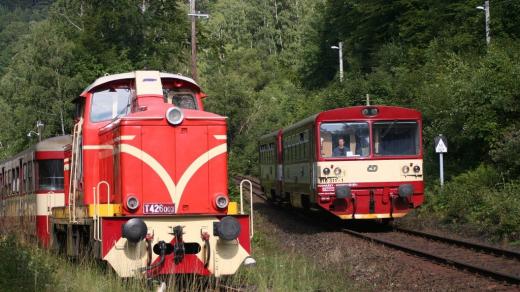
30,183
110,103
50,174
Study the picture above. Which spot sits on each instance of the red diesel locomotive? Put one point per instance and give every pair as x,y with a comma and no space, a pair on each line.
362,162
145,180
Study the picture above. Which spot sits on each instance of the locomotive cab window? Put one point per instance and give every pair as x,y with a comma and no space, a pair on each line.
394,138
345,139
182,99
50,174
110,103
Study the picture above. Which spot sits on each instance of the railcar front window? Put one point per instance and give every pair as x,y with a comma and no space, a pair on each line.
110,103
350,139
51,174
394,138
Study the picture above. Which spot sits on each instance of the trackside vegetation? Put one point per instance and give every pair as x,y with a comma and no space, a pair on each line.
28,268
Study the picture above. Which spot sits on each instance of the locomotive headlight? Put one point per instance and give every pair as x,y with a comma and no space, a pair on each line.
174,116
221,201
405,169
416,168
337,171
326,171
132,203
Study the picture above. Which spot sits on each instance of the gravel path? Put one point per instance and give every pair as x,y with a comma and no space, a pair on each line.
372,266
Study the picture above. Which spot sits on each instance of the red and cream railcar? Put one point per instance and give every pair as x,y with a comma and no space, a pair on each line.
362,162
31,184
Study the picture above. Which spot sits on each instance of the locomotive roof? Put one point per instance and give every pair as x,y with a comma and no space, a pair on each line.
132,75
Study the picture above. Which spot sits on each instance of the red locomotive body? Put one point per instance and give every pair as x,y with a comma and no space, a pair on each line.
146,180
361,162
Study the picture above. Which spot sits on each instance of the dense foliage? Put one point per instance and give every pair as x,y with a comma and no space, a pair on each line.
268,63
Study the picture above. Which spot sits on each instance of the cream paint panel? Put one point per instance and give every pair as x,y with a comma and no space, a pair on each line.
124,138
45,202
387,170
127,259
152,86
98,147
196,164
156,166
176,192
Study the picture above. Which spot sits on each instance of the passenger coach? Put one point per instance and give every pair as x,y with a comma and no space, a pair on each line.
362,162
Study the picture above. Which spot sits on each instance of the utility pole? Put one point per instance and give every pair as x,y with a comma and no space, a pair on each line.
488,19
339,47
194,15
193,41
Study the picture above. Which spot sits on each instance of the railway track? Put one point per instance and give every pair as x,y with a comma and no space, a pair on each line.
499,264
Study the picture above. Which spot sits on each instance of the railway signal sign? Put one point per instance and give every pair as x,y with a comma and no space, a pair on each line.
441,146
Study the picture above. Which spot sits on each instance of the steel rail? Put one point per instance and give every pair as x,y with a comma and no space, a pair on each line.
513,279
463,243
458,264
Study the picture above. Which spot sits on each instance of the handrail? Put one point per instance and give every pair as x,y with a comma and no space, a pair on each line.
95,217
49,209
73,180
251,218
97,221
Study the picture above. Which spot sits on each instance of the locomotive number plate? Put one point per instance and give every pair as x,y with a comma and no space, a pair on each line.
159,209
330,179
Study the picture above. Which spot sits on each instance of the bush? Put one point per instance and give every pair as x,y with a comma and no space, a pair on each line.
479,198
23,269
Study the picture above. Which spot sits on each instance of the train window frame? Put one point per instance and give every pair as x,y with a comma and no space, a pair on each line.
116,110
361,132
376,142
59,167
184,91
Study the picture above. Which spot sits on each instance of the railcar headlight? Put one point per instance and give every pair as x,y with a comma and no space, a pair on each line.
221,201
337,171
132,203
416,168
174,116
326,171
405,169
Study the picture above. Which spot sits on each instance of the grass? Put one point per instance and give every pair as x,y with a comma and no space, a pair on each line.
280,269
28,268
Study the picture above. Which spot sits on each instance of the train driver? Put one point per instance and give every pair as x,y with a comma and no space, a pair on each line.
340,150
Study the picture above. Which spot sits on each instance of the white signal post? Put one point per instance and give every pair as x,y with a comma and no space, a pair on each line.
441,147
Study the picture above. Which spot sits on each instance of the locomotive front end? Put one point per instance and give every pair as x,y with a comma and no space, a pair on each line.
148,180
170,171
370,164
